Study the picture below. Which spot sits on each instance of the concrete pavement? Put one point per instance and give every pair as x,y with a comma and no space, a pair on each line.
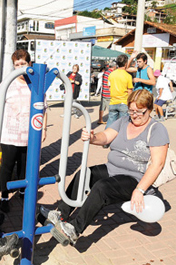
114,237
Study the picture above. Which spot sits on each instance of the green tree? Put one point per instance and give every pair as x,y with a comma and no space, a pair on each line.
131,7
106,8
154,4
170,19
147,18
93,14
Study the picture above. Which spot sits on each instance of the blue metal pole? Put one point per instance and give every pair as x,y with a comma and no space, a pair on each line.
39,82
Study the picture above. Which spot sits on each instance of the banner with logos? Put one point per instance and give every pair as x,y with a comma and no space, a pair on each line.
63,55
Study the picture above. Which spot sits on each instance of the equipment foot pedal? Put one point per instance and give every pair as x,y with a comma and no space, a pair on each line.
59,236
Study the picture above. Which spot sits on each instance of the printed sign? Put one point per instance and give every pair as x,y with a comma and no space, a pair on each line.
63,55
89,31
37,122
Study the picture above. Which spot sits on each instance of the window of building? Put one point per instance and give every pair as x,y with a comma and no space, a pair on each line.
49,25
33,25
37,25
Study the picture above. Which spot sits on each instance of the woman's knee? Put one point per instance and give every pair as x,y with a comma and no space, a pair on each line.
100,186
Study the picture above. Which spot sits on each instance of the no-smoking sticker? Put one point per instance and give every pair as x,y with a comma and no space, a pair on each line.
37,122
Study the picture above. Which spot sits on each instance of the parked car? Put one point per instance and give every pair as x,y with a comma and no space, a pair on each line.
97,64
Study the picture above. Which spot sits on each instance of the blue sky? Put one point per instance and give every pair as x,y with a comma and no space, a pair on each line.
92,4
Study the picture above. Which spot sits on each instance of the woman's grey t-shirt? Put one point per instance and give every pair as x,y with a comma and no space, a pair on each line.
130,157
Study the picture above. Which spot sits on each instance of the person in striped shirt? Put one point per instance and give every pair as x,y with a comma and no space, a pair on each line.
105,95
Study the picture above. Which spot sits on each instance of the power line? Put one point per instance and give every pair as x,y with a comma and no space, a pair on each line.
84,5
85,21
87,4
39,6
81,5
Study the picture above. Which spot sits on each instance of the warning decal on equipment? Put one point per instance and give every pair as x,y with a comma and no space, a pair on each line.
37,122
38,105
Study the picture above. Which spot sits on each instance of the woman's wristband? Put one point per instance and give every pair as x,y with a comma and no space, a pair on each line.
141,190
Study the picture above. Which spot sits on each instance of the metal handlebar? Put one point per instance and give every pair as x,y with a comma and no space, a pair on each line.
83,187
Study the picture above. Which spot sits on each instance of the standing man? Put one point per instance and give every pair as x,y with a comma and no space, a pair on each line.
121,86
105,95
144,73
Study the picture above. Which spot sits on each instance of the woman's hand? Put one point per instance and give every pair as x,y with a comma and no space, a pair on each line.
137,200
85,136
134,54
136,80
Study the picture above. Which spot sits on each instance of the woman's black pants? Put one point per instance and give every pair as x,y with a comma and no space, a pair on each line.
10,155
105,190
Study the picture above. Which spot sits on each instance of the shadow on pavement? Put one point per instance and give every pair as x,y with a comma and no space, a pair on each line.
112,217
107,224
43,250
73,164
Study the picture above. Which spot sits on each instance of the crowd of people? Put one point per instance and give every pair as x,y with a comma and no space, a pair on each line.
125,176
142,77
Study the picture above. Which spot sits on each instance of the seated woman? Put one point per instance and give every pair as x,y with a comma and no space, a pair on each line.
124,177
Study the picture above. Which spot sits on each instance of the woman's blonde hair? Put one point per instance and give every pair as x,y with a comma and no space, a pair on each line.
143,99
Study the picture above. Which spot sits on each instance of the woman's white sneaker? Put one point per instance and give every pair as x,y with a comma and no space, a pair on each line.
52,215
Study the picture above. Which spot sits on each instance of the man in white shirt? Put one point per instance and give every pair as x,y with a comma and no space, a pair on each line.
164,90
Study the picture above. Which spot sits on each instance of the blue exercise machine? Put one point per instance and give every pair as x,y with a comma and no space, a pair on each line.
39,80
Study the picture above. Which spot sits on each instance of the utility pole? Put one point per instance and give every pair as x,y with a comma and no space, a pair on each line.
2,33
139,26
10,36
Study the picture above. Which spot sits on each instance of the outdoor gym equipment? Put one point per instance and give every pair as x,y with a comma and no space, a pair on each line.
39,80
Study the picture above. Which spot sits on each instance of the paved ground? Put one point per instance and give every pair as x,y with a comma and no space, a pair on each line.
113,238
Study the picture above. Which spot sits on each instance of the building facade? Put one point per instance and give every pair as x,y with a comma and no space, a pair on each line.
158,42
99,32
37,20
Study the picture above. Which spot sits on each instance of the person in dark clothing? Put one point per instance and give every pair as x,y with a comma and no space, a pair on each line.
76,82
